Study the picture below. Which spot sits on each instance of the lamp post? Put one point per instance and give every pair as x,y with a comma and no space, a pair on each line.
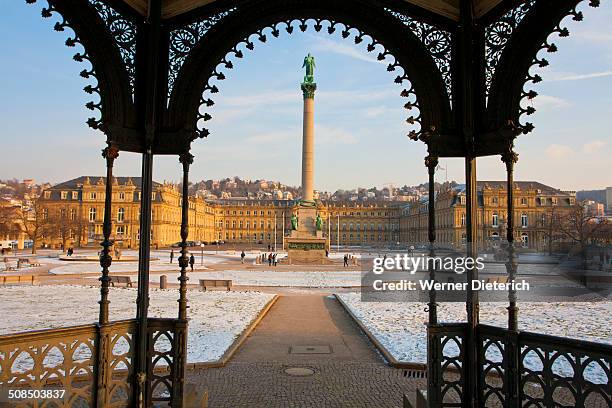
202,254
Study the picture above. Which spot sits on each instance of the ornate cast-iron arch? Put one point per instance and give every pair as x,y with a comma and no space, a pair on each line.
380,29
108,38
518,55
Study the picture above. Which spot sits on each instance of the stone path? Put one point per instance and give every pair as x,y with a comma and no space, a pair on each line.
311,332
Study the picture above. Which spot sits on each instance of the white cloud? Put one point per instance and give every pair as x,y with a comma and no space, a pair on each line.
274,137
545,102
327,45
571,76
594,36
556,151
375,111
593,146
325,135
260,99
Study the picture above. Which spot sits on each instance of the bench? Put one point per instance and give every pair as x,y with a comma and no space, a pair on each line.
11,279
498,279
206,284
120,279
27,261
7,265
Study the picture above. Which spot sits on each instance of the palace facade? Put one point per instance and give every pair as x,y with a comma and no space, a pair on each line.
78,205
535,206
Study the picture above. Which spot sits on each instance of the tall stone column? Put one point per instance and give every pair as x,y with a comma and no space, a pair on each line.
308,142
308,90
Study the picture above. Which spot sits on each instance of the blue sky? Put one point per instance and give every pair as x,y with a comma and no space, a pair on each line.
256,126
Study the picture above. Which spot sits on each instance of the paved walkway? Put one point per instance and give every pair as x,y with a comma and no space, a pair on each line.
312,332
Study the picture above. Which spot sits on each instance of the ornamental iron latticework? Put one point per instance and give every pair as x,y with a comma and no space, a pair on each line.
81,57
184,39
438,42
497,35
319,25
123,32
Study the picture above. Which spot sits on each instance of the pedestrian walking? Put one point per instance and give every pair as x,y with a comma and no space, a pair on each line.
345,260
242,255
191,261
270,259
274,259
171,255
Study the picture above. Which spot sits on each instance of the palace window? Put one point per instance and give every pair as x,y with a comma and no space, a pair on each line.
45,213
92,214
463,219
73,214
47,194
64,195
122,196
523,201
75,195
120,230
495,221
93,195
494,200
524,220
121,214
553,200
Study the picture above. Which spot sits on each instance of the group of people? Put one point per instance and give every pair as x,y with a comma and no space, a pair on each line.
271,257
191,259
347,258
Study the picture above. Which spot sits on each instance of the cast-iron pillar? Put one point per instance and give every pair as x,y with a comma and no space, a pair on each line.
180,346
102,370
110,154
470,105
149,97
511,360
433,362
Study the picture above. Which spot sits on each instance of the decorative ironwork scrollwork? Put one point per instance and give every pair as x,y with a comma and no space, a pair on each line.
540,62
497,36
123,31
318,25
184,39
73,41
437,41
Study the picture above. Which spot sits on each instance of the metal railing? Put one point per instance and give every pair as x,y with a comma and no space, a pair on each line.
519,369
93,364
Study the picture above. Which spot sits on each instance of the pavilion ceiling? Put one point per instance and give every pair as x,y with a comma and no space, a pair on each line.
445,8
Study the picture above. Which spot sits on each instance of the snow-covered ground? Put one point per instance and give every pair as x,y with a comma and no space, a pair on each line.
216,318
401,326
270,277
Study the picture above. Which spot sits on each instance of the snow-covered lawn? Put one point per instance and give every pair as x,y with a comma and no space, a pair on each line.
216,318
401,326
322,279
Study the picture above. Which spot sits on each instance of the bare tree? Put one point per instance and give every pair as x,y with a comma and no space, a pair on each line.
60,225
580,226
34,219
8,221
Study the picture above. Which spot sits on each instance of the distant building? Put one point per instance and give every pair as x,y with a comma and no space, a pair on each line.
535,204
594,208
609,200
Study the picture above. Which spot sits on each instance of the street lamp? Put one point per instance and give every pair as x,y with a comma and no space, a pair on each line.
202,254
